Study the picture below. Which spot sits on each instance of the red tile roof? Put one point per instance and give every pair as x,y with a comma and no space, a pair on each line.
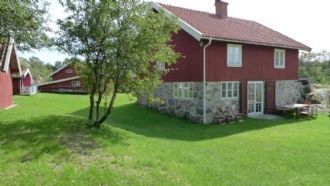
233,29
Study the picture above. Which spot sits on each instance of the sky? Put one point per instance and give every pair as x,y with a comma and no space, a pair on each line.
303,20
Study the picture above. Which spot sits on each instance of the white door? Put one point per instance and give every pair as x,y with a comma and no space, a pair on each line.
255,98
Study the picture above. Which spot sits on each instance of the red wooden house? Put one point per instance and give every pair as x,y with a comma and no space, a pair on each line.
9,68
64,79
227,61
24,84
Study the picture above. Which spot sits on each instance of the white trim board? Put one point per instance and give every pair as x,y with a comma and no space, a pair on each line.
184,25
60,81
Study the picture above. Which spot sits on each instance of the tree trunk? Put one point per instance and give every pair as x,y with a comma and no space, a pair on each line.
98,123
91,107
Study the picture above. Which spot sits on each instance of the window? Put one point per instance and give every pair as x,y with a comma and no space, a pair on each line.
234,55
76,83
183,90
229,90
279,58
68,70
160,66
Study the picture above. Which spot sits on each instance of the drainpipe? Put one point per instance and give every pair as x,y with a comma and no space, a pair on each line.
204,80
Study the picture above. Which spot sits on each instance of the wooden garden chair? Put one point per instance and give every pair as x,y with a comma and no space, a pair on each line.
236,115
219,116
309,111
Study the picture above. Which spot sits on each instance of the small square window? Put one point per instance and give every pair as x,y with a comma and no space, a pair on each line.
76,83
183,90
160,66
68,70
229,90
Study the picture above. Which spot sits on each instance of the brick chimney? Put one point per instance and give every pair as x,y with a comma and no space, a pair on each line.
221,8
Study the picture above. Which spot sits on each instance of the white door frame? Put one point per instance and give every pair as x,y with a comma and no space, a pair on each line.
255,113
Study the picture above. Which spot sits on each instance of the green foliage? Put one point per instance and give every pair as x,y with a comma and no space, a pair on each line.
315,66
120,41
43,142
25,21
39,70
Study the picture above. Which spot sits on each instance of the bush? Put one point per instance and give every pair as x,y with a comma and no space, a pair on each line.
314,98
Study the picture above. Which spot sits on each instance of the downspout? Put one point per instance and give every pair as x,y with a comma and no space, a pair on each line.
204,80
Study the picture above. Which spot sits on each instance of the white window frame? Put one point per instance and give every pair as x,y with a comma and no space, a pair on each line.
230,94
161,66
76,83
69,71
183,90
279,63
231,62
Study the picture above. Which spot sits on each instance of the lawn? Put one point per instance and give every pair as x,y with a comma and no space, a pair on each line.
43,141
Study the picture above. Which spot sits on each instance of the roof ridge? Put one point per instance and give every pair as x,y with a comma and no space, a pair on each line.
174,6
231,28
204,12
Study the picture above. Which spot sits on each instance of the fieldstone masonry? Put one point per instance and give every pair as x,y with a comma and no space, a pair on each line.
287,92
191,109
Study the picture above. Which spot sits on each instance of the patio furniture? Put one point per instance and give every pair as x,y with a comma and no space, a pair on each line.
300,109
309,112
219,116
235,114
230,116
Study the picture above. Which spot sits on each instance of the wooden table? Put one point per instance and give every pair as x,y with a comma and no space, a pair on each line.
293,107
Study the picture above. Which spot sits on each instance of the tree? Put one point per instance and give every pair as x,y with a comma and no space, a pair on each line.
25,22
40,71
120,41
315,66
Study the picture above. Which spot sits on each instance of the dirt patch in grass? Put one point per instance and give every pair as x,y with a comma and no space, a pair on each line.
78,141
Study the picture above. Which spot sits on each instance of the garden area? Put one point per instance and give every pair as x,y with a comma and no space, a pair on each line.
43,141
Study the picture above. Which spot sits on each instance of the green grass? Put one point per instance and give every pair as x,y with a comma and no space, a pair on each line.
43,141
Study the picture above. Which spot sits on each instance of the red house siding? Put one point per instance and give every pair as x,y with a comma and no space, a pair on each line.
6,91
57,87
189,67
62,74
16,86
27,81
257,64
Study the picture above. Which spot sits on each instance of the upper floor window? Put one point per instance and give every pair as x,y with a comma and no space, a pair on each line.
68,70
279,58
76,83
229,89
234,55
183,90
160,66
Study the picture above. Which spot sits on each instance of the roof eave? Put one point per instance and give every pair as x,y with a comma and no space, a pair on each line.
183,25
258,43
58,70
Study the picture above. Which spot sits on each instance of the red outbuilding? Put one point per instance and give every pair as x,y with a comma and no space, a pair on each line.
65,79
9,68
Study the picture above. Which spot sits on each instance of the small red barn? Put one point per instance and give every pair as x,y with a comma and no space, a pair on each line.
65,79
9,68
24,84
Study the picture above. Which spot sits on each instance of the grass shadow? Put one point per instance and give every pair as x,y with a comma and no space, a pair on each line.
142,121
60,136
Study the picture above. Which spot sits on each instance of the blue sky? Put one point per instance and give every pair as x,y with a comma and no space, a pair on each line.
303,20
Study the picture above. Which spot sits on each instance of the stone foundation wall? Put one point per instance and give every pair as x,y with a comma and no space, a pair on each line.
287,92
191,109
